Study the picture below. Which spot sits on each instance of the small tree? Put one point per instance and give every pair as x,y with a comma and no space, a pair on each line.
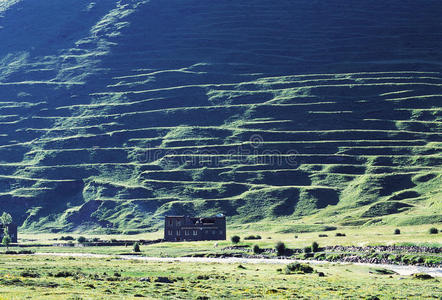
6,241
397,231
81,240
137,247
315,247
433,230
235,239
280,248
5,220
256,249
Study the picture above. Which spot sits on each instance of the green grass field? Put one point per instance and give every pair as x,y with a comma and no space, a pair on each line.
51,277
354,236
30,277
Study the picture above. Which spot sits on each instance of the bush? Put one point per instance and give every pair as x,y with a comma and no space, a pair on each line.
307,249
323,235
81,240
315,247
433,230
137,247
29,274
280,248
67,238
298,268
397,231
256,249
339,234
252,237
422,276
64,274
235,239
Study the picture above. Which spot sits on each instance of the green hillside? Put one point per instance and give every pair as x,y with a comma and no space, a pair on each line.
115,113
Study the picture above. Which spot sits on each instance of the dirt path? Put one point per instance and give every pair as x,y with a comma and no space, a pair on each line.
402,270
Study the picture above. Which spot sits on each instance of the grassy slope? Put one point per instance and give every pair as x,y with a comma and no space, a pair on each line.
148,109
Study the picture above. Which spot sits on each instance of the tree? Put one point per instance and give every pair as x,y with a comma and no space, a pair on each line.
315,247
5,220
433,230
6,240
235,239
81,240
137,247
280,248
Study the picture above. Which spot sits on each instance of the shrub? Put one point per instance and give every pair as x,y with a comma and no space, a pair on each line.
235,239
323,235
422,276
315,247
397,231
137,247
298,268
81,240
67,238
339,234
29,274
64,274
280,248
256,249
307,249
433,230
252,237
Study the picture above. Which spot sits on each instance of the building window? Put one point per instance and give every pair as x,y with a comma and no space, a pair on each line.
186,232
169,232
213,232
221,232
178,232
170,222
178,222
195,232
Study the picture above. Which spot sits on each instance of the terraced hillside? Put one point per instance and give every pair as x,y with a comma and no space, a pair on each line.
114,113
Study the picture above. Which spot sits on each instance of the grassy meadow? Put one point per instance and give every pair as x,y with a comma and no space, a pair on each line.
354,236
47,277
52,277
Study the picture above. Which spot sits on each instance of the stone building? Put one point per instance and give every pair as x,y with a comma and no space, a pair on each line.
185,228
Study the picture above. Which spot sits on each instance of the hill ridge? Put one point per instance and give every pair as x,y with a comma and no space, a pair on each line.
154,108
